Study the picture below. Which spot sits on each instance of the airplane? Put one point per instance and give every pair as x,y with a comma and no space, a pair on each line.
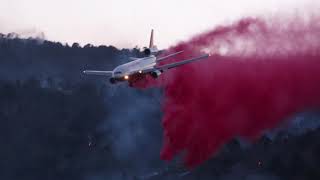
138,68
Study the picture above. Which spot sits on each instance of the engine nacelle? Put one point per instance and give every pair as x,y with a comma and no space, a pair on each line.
147,52
112,80
155,74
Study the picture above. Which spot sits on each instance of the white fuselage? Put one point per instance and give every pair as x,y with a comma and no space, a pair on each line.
134,66
140,68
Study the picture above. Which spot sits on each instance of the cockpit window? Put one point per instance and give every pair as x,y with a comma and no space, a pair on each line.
118,72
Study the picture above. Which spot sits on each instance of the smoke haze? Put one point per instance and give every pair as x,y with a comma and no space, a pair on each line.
58,124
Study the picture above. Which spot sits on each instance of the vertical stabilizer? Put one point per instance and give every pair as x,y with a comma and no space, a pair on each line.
151,45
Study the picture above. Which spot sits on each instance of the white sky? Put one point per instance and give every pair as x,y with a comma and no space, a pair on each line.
126,23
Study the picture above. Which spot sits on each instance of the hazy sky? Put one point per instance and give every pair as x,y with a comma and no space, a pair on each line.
126,23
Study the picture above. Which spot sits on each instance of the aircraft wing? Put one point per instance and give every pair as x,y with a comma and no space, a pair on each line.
133,58
180,63
99,73
168,56
173,65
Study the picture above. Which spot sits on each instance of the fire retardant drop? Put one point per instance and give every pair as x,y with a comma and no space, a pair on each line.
260,73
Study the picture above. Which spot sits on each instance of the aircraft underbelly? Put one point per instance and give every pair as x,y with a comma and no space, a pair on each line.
140,67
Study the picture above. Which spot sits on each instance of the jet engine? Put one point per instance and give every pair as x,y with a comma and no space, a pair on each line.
147,51
112,80
155,74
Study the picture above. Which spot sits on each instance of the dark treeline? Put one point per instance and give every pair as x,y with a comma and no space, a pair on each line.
45,133
57,124
24,58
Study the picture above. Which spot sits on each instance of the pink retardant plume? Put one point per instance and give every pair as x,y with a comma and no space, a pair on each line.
259,75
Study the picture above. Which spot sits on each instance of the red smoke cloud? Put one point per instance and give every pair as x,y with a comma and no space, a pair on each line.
261,73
